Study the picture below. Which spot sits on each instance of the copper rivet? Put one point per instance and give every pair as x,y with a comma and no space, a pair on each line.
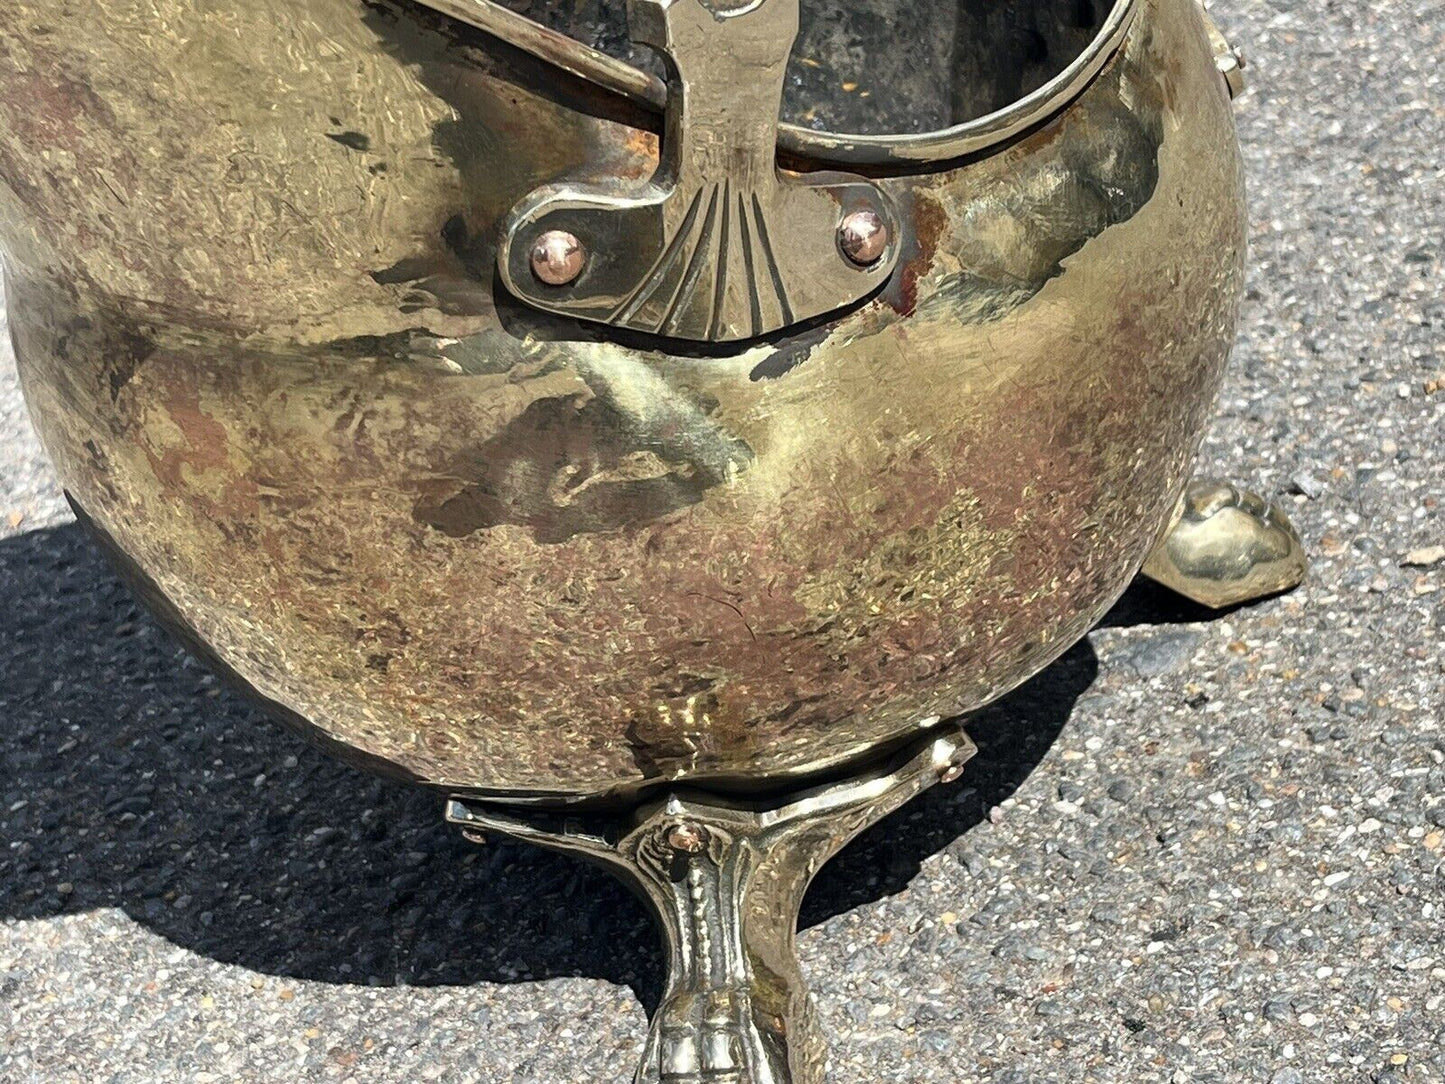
863,237
951,774
687,838
557,257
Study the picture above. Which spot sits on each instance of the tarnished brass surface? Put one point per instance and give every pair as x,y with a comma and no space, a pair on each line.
250,252
1228,546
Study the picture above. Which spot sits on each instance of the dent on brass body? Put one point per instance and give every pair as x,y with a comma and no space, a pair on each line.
545,559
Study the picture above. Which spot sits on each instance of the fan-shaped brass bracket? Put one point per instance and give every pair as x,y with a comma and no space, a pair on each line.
720,244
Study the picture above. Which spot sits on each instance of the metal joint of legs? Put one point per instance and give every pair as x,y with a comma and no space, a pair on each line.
725,880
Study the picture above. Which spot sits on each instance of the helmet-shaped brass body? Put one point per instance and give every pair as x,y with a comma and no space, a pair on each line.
252,264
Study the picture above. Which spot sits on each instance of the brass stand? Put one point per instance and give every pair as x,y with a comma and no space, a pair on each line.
1227,545
726,880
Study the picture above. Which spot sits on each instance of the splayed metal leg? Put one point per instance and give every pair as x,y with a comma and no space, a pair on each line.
1227,545
726,880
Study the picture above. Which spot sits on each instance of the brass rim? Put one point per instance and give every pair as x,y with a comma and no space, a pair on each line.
843,148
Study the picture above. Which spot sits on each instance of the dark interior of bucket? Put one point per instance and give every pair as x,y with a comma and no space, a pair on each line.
887,66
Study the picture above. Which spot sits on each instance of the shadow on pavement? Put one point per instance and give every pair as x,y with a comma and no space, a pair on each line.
130,778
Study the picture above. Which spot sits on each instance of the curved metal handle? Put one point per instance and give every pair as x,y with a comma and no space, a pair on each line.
849,148
718,245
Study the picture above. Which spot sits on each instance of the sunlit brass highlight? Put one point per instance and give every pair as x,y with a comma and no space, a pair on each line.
1228,546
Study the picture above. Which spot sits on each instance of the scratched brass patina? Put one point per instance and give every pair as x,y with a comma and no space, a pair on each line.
251,263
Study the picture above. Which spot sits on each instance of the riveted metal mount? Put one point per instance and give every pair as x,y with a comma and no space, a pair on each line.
720,244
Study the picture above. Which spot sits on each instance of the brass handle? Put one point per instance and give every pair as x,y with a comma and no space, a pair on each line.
852,148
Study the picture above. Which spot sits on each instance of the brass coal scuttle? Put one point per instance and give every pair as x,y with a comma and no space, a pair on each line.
653,429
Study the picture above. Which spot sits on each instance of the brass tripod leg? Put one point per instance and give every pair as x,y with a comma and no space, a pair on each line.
725,880
1227,546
